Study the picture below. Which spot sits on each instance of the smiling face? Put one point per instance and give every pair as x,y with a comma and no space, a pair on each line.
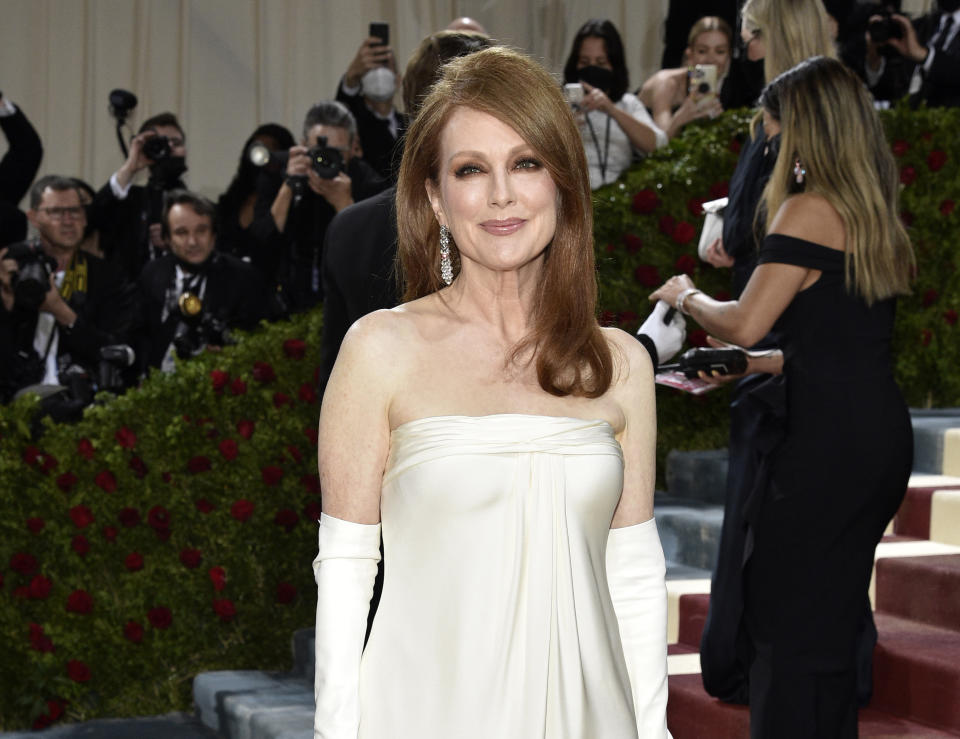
711,47
493,193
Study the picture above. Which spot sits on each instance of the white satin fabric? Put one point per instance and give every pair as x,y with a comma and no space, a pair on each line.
496,619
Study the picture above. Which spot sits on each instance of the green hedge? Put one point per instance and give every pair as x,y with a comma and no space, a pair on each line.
171,530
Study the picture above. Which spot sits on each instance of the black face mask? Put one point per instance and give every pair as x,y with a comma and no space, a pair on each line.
949,6
168,171
598,77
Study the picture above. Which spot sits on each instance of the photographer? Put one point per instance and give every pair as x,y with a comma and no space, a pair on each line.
294,207
367,89
17,169
193,295
921,58
60,306
128,215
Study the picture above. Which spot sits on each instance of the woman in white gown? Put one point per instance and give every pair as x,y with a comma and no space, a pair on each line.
501,441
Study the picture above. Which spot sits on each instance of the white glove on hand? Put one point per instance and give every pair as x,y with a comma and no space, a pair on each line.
636,576
667,337
344,569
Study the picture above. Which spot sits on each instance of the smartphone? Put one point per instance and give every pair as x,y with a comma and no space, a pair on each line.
702,80
382,32
573,92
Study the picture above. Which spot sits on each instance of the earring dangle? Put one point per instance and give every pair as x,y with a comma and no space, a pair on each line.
798,171
446,266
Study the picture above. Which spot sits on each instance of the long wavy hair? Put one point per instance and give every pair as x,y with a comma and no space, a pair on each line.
604,30
571,355
828,121
793,30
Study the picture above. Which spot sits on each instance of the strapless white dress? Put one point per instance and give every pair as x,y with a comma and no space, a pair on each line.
496,620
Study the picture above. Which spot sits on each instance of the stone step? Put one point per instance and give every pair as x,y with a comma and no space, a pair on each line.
690,535
923,589
249,704
697,475
930,509
936,440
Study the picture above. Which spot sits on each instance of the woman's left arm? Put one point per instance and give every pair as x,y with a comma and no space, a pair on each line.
643,135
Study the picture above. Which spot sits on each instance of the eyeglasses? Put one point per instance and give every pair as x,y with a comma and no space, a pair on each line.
58,214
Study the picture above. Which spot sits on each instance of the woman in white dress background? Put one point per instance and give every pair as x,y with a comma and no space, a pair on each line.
501,441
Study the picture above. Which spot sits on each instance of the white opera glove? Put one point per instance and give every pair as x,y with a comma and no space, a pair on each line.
667,337
344,569
636,573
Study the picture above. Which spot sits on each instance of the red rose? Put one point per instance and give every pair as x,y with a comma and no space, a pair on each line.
281,399
271,475
686,264
245,428
218,576
126,438
39,587
66,481
647,275
106,481
295,348
311,483
198,464
312,511
204,506
295,454
190,558
229,449
224,608
31,456
695,206
138,466
930,297
55,709
81,516
238,387
907,175
85,449
219,379
134,561
632,243
287,518
950,316
735,145
129,517
311,433
607,318
627,316
80,601
133,631
78,671
39,641
683,233
307,394
697,337
946,207
242,509
900,147
645,201
25,564
109,533
936,159
35,525
926,336
263,372
160,617
286,593
666,225
47,462
159,518
719,190
80,545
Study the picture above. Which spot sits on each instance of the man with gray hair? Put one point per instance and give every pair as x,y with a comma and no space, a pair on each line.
294,207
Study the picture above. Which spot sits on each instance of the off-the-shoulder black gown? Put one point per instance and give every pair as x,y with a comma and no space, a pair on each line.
828,490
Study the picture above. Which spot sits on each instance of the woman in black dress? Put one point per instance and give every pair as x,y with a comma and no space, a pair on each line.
834,259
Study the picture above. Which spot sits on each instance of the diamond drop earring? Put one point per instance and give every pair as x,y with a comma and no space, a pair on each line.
798,171
446,266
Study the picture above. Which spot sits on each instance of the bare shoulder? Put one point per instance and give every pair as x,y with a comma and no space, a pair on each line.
632,366
812,217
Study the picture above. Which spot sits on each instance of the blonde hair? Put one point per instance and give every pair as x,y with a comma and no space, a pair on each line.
828,122
793,30
571,354
709,23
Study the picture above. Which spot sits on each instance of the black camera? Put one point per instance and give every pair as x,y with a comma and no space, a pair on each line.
884,28
31,282
730,361
326,161
157,148
198,328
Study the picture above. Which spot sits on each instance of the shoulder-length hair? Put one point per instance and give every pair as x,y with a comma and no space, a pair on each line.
793,30
571,354
828,122
612,43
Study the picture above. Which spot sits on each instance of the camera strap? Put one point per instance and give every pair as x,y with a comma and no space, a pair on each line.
602,157
76,278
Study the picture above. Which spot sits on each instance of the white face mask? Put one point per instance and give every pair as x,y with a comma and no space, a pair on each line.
379,84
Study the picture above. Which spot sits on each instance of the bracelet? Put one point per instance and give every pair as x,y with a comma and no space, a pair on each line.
682,298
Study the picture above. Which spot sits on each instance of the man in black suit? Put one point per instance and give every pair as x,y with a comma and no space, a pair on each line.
128,216
367,89
192,295
17,169
87,307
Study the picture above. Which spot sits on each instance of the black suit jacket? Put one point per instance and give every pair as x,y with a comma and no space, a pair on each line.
234,294
17,169
380,148
941,82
